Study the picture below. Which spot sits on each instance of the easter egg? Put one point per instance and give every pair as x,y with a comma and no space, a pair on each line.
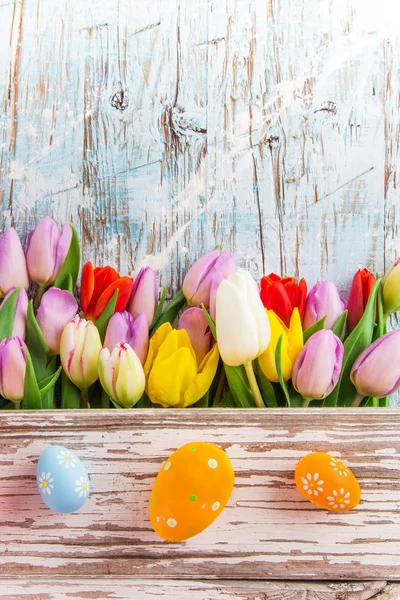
327,482
191,490
62,480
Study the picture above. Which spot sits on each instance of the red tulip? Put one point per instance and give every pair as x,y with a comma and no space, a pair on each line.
282,295
98,287
360,290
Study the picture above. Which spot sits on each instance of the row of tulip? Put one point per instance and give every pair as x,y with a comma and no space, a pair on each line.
221,341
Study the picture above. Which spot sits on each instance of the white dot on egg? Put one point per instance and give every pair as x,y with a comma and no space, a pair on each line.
167,466
216,506
212,463
204,505
171,523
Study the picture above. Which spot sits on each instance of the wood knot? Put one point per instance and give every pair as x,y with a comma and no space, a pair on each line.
120,100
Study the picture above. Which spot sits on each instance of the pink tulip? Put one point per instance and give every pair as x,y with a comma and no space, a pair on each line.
195,324
13,271
56,309
19,328
318,366
47,250
204,277
144,297
376,371
12,368
123,328
323,300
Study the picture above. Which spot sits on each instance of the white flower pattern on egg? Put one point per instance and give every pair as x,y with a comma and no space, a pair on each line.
339,499
82,487
312,484
66,459
339,467
46,483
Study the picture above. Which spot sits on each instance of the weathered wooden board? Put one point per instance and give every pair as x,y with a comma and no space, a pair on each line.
165,127
108,588
267,530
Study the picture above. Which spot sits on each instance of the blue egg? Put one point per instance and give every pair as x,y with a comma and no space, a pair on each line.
62,480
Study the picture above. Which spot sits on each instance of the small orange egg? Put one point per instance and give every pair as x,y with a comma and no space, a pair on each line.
327,482
191,490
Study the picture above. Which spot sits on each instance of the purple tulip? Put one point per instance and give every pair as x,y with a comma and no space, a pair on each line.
195,324
19,328
12,368
47,250
123,328
144,297
376,372
56,309
13,271
323,300
318,366
204,276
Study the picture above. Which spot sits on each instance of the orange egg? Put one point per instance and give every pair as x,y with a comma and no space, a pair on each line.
327,482
191,490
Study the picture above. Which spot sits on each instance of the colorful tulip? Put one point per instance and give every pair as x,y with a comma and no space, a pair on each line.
243,331
98,287
195,324
173,375
123,328
47,250
376,371
144,298
12,368
79,352
318,366
121,375
21,309
323,301
204,277
361,287
391,289
13,271
282,295
292,343
57,308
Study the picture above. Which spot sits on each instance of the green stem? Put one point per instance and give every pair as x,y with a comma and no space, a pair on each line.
220,387
375,402
17,405
84,398
357,400
254,385
38,297
105,400
305,402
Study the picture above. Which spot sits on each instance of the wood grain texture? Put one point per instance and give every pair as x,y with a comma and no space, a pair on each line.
267,530
164,127
109,588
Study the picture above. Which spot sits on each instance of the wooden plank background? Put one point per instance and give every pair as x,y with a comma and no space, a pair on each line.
267,531
164,127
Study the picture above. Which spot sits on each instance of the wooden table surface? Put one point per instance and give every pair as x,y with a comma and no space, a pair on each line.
267,531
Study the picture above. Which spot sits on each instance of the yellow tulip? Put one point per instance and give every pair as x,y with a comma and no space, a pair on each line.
292,343
173,375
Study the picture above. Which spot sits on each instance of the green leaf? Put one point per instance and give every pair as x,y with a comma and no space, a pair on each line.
380,329
71,264
115,404
210,322
8,406
159,307
170,313
227,401
34,340
7,315
48,383
361,337
278,364
106,315
144,402
70,394
203,402
32,399
339,327
318,326
266,387
237,381
296,399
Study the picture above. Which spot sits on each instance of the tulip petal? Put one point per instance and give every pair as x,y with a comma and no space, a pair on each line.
195,324
42,252
63,245
119,329
144,298
376,371
12,369
56,309
196,282
124,285
130,381
154,345
139,339
87,286
170,378
203,379
13,271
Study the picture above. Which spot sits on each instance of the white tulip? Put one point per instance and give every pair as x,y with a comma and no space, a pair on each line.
121,375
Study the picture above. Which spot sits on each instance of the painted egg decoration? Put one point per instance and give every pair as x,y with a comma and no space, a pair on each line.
190,491
62,480
327,482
